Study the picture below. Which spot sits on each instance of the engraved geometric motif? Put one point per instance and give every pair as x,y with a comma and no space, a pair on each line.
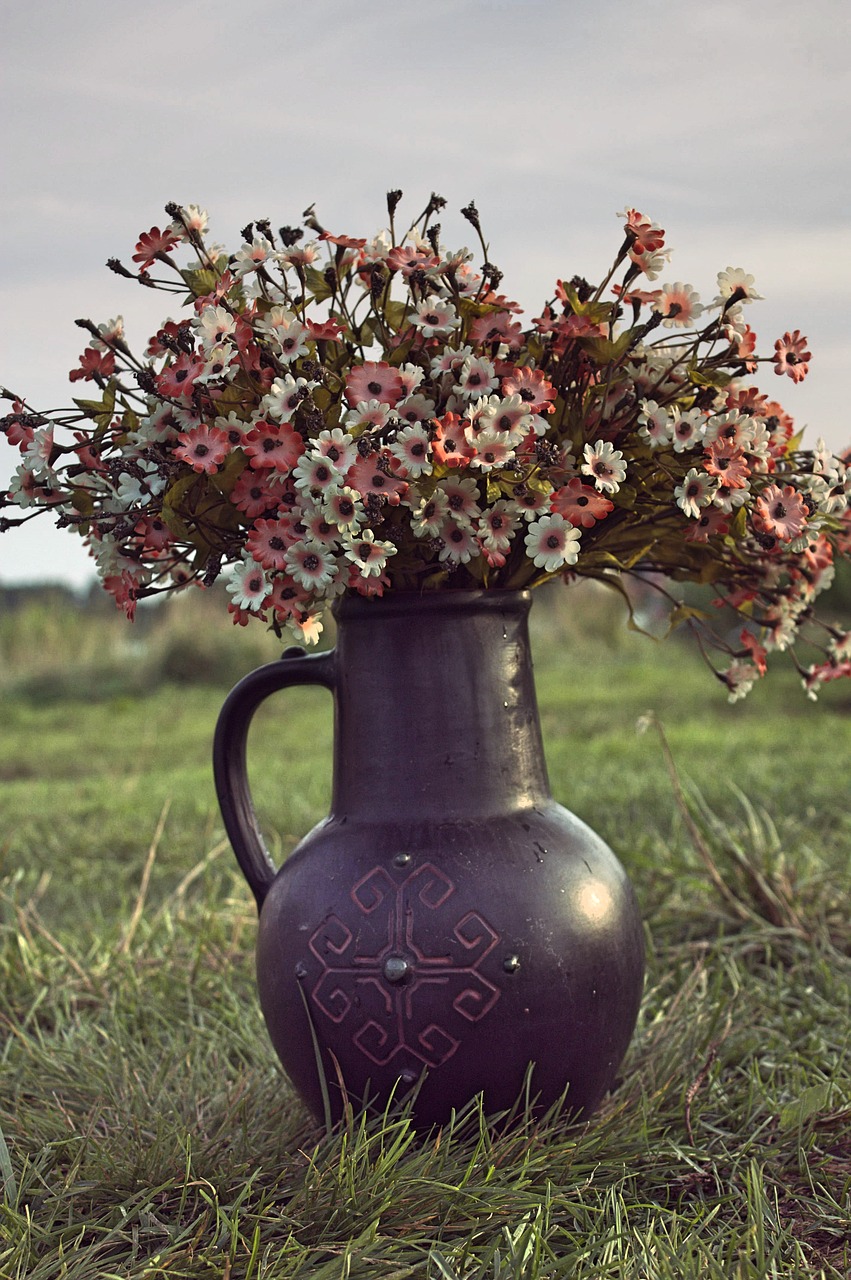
378,978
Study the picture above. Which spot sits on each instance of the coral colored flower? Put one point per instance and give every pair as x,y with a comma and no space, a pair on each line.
94,363
533,388
791,356
269,445
178,378
580,504
286,596
268,541
323,331
710,523
407,258
253,494
781,511
728,463
152,244
646,236
204,448
449,447
377,475
498,327
757,652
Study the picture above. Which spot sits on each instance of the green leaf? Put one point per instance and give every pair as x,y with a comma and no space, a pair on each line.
713,378
605,350
200,280
81,500
101,413
596,312
317,284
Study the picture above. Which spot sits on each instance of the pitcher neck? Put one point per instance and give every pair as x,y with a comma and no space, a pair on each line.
435,707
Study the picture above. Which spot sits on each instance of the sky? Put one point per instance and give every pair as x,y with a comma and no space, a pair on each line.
726,122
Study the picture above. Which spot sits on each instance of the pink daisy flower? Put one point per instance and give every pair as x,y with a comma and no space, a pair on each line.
781,511
552,542
367,476
459,542
606,464
678,304
532,387
711,523
204,448
729,464
248,585
791,356
253,493
411,449
497,526
178,378
270,446
286,596
310,564
695,492
269,540
371,414
338,446
462,498
429,515
374,380
491,451
343,507
434,316
368,554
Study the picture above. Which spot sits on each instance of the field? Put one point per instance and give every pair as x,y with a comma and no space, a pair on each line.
145,1128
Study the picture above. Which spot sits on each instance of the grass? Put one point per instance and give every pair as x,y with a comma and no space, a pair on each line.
146,1131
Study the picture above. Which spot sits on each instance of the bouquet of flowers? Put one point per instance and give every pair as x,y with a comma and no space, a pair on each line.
341,414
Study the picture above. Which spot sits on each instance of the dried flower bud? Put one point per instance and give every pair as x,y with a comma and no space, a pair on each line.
115,265
393,198
471,213
290,235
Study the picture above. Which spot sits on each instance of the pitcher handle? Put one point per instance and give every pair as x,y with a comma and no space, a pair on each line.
229,755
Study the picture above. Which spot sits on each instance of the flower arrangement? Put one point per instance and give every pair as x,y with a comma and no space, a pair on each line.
340,414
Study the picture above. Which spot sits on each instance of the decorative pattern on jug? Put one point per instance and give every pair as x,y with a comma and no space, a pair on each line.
377,977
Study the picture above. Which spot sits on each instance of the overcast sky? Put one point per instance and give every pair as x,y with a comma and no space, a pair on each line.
727,121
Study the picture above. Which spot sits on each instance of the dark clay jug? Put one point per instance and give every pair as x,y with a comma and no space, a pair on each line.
448,927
